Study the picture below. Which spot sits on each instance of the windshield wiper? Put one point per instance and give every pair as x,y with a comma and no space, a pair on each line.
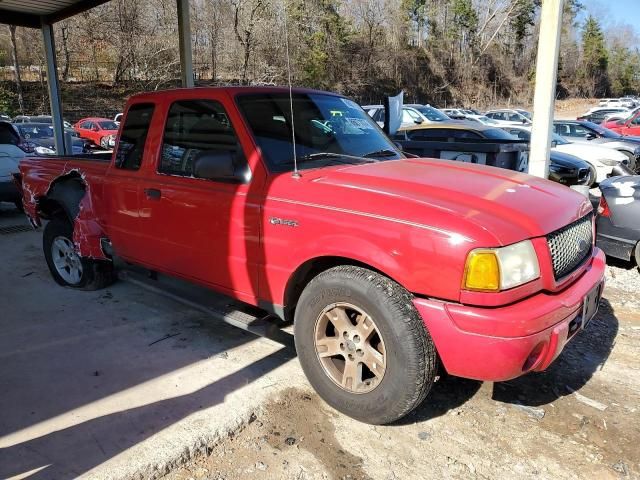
380,153
336,157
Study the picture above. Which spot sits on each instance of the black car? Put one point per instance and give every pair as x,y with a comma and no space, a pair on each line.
569,169
618,221
38,138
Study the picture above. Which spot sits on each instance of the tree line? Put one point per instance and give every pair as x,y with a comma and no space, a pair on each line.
443,52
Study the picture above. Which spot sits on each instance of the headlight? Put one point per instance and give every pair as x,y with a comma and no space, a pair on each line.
496,269
609,162
44,151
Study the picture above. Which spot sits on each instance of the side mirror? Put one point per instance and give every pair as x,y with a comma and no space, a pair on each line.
524,121
554,143
220,166
590,136
419,121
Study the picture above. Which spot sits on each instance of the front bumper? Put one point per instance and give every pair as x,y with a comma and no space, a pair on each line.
501,343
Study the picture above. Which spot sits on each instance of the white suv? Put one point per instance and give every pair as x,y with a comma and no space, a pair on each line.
510,117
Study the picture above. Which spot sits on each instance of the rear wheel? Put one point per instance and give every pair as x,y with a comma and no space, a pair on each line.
66,266
363,345
104,143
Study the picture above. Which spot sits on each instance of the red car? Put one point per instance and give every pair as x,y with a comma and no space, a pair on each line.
629,126
388,266
101,131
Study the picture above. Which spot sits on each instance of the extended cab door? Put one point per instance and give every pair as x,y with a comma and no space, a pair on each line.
123,179
200,229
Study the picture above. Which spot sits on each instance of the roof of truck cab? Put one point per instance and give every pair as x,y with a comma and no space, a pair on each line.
188,92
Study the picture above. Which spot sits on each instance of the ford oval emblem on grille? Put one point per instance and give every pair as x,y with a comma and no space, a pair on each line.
582,246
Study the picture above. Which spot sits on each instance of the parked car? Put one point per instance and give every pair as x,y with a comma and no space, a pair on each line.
390,267
10,156
39,139
454,113
43,119
627,126
470,111
618,221
508,117
564,168
613,102
4,117
101,131
621,115
598,115
604,162
412,114
588,133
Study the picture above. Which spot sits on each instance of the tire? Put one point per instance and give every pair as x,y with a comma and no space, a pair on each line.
637,255
103,143
402,346
72,270
592,176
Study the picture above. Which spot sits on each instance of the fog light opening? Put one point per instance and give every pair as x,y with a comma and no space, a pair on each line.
535,357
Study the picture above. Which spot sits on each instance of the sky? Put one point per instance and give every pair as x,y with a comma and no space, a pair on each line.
612,12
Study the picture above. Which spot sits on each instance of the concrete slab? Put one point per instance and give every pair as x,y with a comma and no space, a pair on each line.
119,383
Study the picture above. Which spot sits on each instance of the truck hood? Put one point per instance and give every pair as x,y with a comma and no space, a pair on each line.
458,198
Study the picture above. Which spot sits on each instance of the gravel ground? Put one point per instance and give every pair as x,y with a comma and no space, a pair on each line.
579,419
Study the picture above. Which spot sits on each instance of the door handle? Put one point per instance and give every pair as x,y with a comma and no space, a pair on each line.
152,193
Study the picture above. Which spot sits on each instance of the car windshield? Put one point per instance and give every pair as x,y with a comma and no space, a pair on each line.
559,140
108,125
497,134
432,114
328,129
35,131
605,132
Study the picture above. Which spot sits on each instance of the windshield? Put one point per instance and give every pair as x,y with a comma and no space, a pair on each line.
324,124
432,114
108,125
35,131
497,134
605,132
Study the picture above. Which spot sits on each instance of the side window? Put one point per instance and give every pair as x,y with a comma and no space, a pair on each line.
514,117
636,121
578,131
563,129
85,124
193,127
406,117
133,136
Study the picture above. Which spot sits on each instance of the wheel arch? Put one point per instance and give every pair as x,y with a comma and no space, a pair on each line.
63,197
311,268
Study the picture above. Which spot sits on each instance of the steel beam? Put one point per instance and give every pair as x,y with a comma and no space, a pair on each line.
184,34
545,91
54,87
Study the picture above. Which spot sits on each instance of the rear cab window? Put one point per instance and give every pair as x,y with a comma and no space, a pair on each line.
134,136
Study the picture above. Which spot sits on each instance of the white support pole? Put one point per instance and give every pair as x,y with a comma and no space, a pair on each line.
54,88
545,92
184,34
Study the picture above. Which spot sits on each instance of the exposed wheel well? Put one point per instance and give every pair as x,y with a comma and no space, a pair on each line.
63,197
307,271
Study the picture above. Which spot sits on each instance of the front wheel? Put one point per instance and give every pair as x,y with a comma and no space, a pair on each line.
66,266
363,345
593,176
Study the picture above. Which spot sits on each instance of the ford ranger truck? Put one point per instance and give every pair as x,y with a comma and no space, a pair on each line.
388,266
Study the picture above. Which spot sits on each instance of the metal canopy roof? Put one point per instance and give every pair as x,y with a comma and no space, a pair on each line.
31,13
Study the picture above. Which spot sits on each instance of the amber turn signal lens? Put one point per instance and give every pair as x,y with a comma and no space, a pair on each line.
482,272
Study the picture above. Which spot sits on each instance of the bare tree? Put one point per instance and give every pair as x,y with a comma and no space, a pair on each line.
16,67
250,10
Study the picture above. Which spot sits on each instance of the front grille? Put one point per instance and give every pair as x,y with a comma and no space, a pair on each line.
570,246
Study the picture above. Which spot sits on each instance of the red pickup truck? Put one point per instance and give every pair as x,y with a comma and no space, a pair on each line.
388,266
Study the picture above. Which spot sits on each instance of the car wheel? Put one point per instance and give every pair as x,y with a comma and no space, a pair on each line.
363,346
66,266
592,177
103,143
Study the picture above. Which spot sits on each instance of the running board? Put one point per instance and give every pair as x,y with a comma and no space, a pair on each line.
216,305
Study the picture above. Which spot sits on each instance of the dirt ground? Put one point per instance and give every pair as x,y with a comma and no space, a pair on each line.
579,419
571,108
